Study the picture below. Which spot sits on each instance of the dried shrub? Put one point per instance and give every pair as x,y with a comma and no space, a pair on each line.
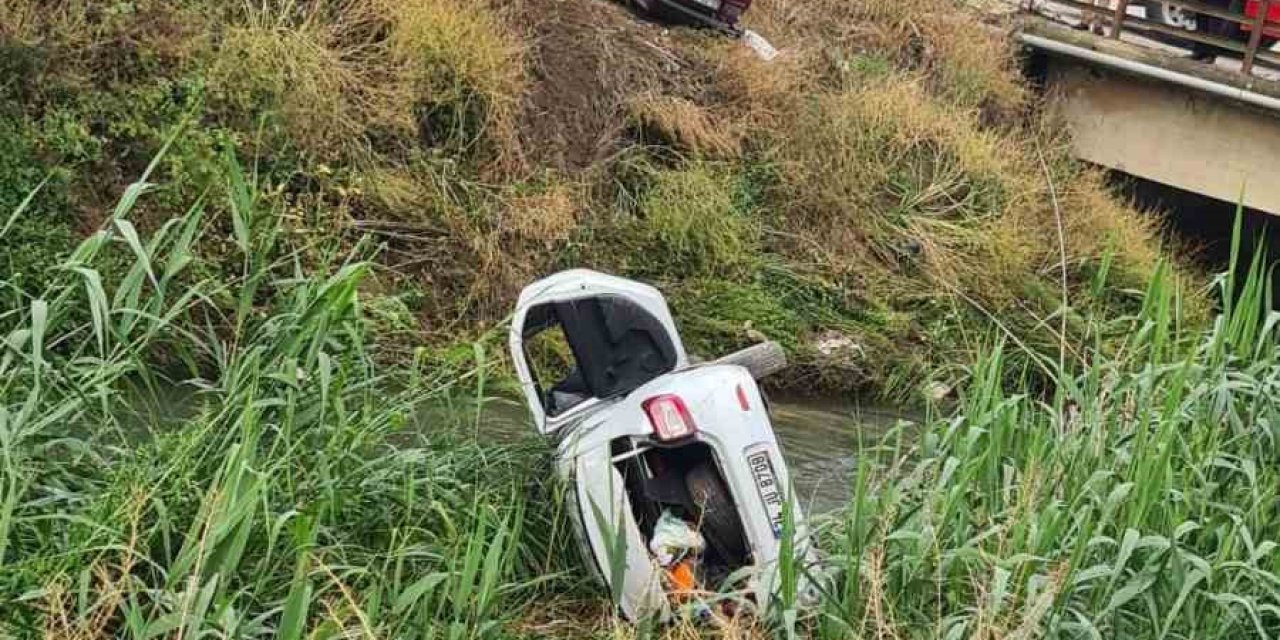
683,125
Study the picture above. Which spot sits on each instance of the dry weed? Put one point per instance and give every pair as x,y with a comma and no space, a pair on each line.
88,43
544,217
65,618
879,612
763,95
329,97
467,70
441,72
679,123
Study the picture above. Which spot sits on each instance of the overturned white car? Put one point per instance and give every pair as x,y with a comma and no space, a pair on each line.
649,443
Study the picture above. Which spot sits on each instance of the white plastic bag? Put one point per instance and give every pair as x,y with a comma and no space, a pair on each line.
673,539
758,44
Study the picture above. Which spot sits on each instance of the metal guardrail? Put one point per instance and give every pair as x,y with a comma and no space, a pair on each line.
1118,21
1143,69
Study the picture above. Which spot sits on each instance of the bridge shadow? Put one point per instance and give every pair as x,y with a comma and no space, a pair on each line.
1204,225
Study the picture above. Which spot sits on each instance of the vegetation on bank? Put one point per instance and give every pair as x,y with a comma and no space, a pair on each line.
878,198
219,416
1137,501
169,468
297,489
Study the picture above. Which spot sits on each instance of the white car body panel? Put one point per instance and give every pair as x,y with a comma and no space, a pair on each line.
584,453
571,285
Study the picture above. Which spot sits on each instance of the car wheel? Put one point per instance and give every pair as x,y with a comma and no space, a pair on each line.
1171,15
718,517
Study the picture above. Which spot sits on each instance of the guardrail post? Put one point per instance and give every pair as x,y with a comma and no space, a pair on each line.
1255,37
1117,24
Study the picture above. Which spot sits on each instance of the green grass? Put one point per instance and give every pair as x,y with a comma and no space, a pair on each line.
690,224
1135,501
302,495
303,490
46,232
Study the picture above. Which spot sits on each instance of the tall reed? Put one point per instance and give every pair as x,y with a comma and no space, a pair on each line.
295,491
1138,500
294,494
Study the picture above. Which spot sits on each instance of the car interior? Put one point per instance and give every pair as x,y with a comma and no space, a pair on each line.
601,347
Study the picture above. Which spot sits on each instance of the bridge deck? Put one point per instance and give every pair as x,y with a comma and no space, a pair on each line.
1155,62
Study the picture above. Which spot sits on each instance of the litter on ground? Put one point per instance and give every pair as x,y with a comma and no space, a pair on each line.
759,45
674,540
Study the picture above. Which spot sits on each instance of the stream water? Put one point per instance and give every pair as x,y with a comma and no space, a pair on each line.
820,438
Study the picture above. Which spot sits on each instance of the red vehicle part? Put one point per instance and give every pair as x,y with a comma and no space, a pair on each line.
670,417
718,14
1272,27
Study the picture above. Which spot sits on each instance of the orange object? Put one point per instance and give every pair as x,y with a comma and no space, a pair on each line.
680,578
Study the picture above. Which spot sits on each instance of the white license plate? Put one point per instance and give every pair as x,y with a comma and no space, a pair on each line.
771,493
713,5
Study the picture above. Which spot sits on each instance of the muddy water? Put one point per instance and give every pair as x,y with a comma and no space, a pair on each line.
821,439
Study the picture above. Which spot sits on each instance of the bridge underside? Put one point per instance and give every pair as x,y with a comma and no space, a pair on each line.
1151,112
1170,134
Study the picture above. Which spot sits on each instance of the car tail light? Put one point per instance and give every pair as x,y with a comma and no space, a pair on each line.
669,417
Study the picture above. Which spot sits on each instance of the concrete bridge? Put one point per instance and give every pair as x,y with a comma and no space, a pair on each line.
1138,105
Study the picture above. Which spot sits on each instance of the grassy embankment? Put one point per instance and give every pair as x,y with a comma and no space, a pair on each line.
298,495
874,199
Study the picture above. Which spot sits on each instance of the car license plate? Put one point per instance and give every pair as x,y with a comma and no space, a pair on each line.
766,479
713,5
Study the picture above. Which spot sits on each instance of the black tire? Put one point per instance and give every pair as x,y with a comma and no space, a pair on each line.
1205,25
1156,12
715,512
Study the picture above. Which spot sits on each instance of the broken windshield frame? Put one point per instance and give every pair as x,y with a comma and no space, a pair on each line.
615,344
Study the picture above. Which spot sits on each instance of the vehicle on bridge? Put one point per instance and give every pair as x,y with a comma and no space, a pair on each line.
1185,17
1136,107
